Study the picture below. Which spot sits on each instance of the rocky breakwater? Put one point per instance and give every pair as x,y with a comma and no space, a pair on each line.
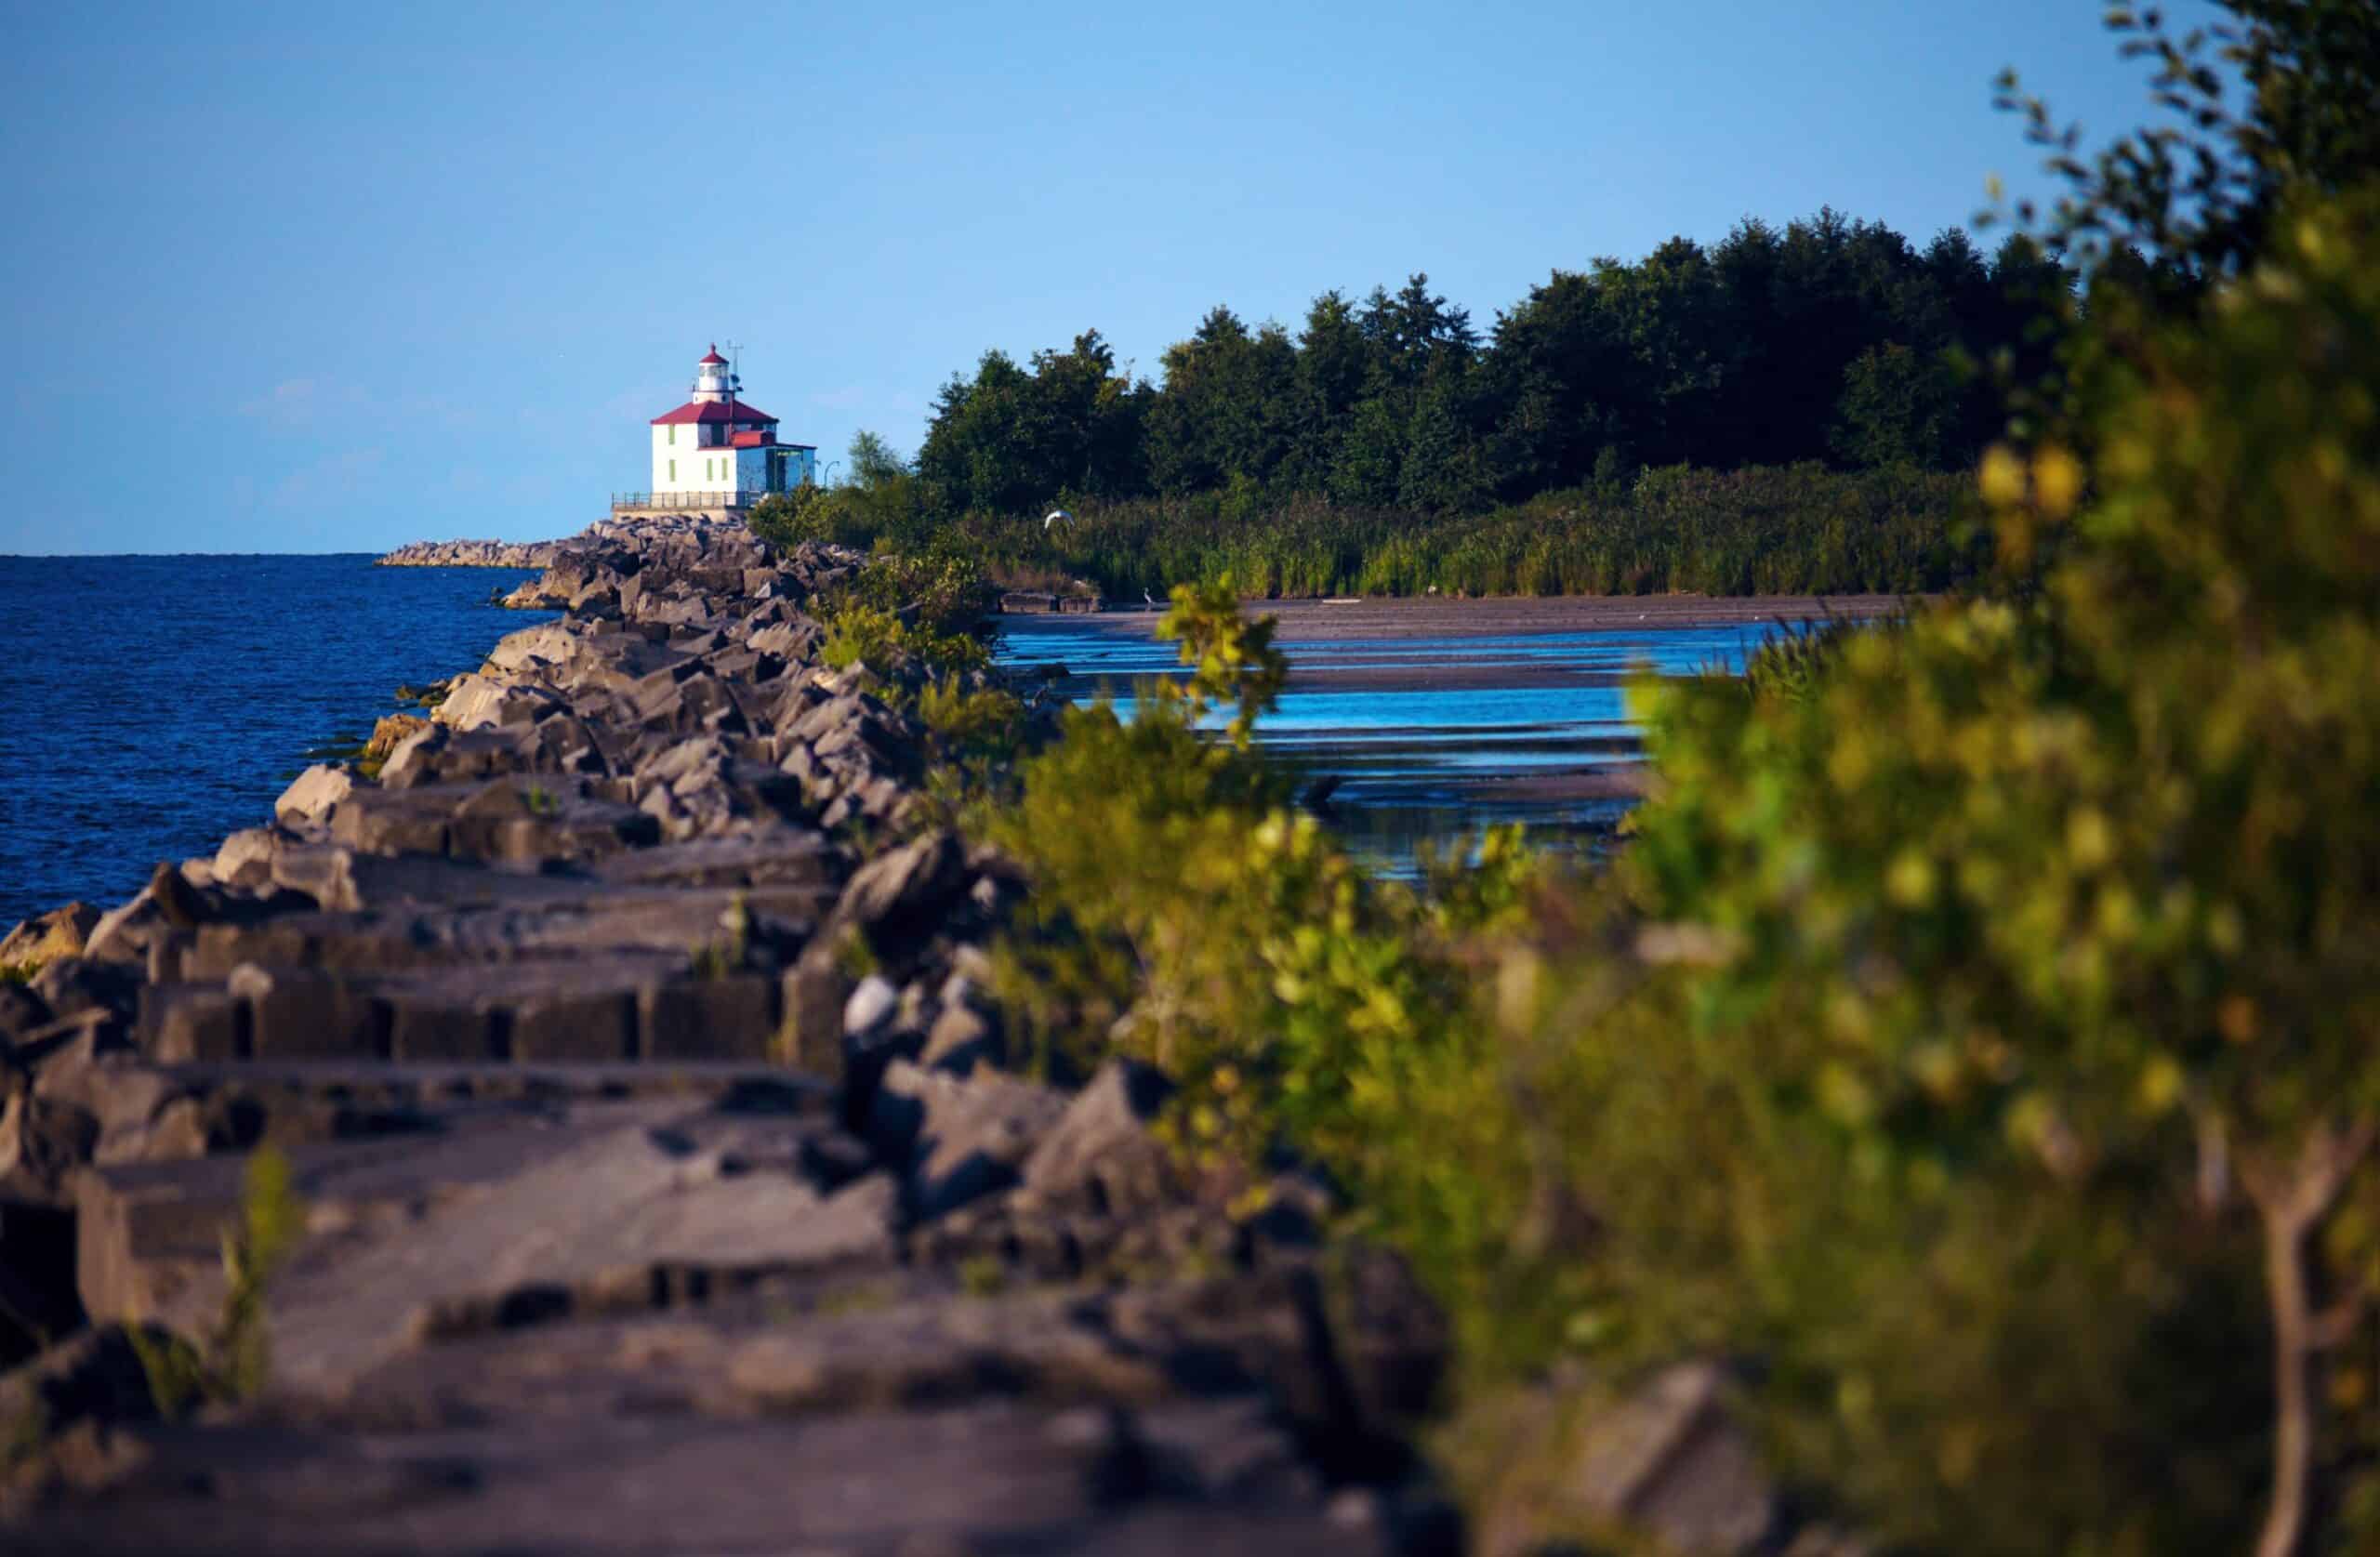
699,531
473,554
668,1184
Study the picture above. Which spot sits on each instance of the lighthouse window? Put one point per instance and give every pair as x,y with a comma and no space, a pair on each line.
673,469
673,434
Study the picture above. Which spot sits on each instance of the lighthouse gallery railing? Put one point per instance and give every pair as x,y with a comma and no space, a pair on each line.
743,497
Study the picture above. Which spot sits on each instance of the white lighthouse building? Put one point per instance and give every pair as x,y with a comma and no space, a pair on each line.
715,452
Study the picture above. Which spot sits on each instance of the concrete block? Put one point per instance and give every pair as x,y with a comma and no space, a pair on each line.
730,1018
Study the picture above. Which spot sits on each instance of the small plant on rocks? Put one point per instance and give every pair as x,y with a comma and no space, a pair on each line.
231,1362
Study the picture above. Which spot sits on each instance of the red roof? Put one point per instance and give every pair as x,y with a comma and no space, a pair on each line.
751,439
714,357
714,411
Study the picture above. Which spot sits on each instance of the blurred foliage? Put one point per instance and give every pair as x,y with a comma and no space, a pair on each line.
969,721
1794,663
1231,659
1978,1041
230,1363
2275,97
1183,914
2042,966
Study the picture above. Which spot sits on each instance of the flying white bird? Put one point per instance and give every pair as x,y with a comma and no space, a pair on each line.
1054,517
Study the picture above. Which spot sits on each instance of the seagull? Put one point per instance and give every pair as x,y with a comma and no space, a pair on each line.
1052,517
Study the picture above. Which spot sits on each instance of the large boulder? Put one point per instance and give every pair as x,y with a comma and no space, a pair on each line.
1102,1156
477,702
904,893
1668,1462
60,933
246,858
311,794
957,1137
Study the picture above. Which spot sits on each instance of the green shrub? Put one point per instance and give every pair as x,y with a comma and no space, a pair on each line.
1181,913
2032,1049
1976,1039
860,634
939,590
1793,664
1976,1035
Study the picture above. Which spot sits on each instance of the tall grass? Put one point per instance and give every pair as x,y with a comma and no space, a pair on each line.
1798,528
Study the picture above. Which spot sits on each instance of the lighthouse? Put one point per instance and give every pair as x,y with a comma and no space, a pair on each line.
715,452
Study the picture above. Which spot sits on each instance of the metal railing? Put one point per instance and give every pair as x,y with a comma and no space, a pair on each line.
742,497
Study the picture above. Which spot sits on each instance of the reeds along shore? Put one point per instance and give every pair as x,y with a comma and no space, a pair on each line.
1801,529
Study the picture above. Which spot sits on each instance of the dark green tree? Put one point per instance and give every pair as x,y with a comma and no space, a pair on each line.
1897,407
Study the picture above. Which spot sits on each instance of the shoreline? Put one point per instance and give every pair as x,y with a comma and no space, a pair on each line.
1390,618
626,1037
1386,644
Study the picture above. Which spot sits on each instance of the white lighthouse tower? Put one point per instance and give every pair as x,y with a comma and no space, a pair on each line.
715,452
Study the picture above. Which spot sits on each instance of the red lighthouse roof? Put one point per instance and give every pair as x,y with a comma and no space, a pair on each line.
716,411
714,357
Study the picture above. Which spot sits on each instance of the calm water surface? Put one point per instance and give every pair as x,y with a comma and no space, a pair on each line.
158,703
1431,738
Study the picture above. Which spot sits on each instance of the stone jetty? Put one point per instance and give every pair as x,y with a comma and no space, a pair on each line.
669,1182
473,554
636,533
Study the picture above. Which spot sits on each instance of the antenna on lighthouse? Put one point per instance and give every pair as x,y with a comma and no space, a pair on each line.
735,359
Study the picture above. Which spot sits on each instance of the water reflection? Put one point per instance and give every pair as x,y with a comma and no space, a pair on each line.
1432,737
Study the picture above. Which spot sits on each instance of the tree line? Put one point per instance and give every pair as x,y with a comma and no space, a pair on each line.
1972,1051
1828,339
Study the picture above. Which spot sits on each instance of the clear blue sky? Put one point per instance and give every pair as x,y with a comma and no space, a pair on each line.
330,277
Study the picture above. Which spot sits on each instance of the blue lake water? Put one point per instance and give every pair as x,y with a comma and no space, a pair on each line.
158,703
1430,738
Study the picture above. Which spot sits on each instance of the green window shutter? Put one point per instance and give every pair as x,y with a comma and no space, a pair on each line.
673,469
